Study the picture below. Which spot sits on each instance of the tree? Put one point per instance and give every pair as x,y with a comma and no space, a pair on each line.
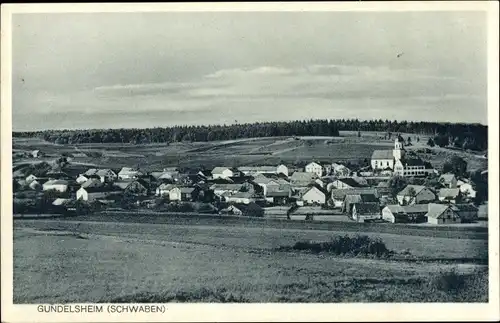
442,140
455,165
408,142
412,193
359,134
253,210
430,142
397,184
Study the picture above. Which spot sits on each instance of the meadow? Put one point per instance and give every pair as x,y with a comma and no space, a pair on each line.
97,261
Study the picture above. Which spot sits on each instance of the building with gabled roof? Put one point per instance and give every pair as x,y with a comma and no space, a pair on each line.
441,214
396,213
415,194
362,212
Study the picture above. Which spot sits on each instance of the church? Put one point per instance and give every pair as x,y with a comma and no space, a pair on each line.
399,161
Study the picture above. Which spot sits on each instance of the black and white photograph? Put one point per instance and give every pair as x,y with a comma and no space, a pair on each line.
246,156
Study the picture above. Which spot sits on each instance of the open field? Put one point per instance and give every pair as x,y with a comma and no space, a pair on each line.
252,151
82,261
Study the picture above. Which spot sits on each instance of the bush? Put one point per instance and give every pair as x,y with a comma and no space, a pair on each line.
345,245
449,281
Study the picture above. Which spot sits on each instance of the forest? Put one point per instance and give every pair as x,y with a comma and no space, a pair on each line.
475,135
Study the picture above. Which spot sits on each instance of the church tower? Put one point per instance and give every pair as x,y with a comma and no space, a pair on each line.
398,150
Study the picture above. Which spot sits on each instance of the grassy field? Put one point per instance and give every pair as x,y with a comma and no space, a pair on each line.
82,261
253,151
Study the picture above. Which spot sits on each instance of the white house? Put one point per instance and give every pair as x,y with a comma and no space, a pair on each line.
164,189
30,178
222,172
175,194
241,197
127,173
313,195
343,183
56,184
314,168
220,189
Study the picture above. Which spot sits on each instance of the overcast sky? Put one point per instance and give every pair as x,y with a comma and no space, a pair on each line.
113,70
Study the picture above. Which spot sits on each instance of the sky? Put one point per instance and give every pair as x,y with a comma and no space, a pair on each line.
123,70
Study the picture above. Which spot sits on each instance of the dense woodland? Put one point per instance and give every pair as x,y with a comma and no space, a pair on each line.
469,136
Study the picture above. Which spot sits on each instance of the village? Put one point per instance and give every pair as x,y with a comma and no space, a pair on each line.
397,187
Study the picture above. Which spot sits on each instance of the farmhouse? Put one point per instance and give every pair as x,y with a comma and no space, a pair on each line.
314,168
351,199
57,185
362,212
220,189
222,172
95,193
451,195
302,179
313,195
241,197
164,189
396,213
127,173
441,214
339,195
343,183
448,180
105,175
415,194
30,178
189,193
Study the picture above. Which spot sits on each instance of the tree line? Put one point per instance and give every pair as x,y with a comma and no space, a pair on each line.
473,134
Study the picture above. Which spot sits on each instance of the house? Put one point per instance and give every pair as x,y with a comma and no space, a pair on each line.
340,170
467,190
164,189
82,178
448,180
396,213
302,179
338,195
35,185
57,185
415,194
231,210
37,153
358,198
383,188
105,175
222,172
362,212
343,183
314,168
30,178
134,187
385,159
241,197
313,195
466,212
93,182
412,167
254,170
279,197
128,173
220,189
441,214
450,195
96,193
189,193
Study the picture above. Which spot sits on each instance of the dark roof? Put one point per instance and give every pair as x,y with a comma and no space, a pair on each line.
278,193
350,181
367,208
464,208
341,193
382,154
414,161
